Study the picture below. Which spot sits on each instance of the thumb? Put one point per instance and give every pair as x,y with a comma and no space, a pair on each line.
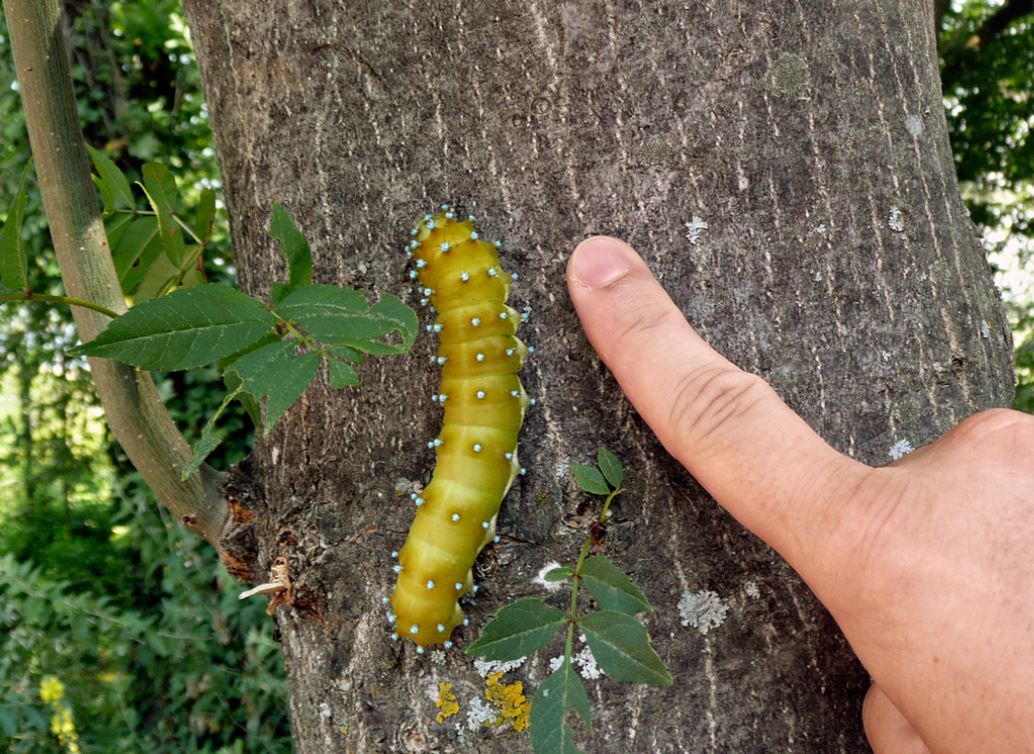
755,456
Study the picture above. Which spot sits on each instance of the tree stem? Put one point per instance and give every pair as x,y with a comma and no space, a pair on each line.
135,412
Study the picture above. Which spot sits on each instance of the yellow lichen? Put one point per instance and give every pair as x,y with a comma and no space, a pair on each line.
446,704
509,699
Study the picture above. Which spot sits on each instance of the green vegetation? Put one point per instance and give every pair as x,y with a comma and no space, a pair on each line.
988,77
616,637
102,595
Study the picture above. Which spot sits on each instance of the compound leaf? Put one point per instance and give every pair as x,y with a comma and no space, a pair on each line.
557,574
340,317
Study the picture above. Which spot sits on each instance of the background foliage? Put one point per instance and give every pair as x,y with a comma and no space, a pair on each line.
99,589
98,586
987,71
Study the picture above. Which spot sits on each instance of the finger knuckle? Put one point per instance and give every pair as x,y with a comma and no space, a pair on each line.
706,400
1001,428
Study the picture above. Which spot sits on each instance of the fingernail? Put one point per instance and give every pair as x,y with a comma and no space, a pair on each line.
600,261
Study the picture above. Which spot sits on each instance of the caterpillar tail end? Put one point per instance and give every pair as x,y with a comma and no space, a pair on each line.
425,631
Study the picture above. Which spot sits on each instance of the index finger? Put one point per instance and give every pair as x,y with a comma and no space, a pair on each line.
755,456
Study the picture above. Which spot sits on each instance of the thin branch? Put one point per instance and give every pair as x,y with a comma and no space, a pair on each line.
45,298
135,412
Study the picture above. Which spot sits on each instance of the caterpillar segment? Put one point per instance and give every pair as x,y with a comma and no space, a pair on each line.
476,452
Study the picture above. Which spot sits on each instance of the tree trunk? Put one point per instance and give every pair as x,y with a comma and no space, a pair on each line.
782,166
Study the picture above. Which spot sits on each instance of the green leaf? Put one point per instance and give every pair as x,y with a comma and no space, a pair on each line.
339,317
159,277
14,266
342,374
113,178
590,479
160,187
296,253
558,574
194,276
610,466
204,216
621,646
162,275
233,381
8,721
322,301
115,227
561,692
405,318
348,354
613,589
518,630
139,241
107,195
209,438
276,373
186,329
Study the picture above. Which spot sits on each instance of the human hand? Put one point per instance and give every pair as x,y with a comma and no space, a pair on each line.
927,564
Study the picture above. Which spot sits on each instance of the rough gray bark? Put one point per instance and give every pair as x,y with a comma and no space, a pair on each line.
838,262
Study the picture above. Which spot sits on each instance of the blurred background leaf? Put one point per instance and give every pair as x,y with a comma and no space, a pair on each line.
987,70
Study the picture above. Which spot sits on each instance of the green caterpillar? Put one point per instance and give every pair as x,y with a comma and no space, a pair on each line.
484,405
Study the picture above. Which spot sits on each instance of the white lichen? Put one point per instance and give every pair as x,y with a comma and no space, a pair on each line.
894,222
486,667
914,124
751,589
540,577
696,226
900,449
586,663
985,329
480,712
702,610
555,663
325,712
437,657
